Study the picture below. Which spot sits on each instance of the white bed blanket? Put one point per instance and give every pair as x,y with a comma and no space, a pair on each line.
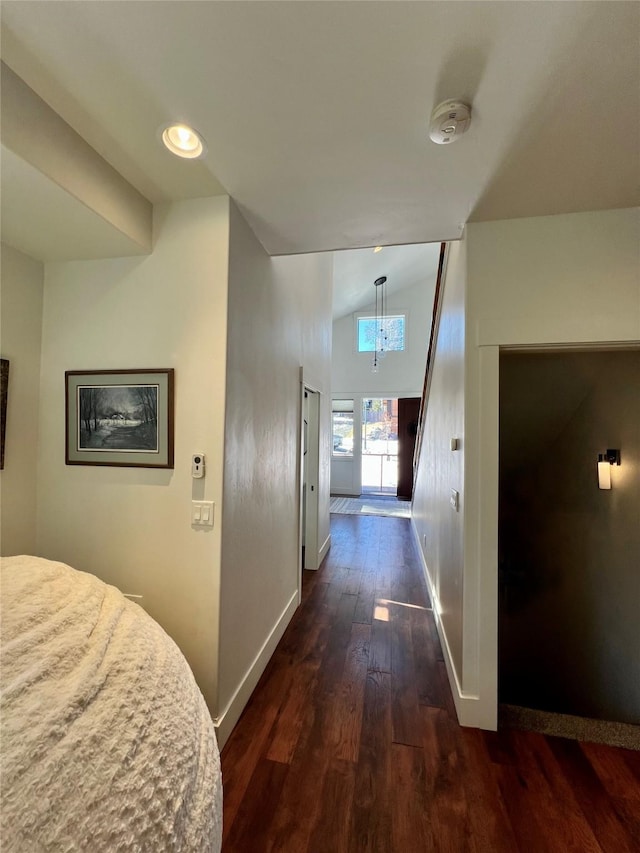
106,742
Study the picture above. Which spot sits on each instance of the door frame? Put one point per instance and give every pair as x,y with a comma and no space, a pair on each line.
313,436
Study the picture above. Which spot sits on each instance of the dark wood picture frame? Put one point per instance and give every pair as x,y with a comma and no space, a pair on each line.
119,418
4,388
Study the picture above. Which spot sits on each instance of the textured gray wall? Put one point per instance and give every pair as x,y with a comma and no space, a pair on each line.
569,552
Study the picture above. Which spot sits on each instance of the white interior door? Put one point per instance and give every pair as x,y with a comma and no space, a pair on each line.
310,472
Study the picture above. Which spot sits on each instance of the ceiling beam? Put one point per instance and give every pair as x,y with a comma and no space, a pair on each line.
119,217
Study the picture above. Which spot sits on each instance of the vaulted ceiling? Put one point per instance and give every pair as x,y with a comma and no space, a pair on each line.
355,271
315,113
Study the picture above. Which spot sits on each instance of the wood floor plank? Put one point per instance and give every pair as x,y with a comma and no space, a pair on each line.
629,815
446,801
301,804
370,830
410,825
337,574
488,818
522,808
552,795
428,681
613,770
335,653
250,831
302,633
311,653
380,654
435,640
499,747
245,748
312,766
286,730
333,826
364,605
352,582
345,723
405,713
632,760
445,690
592,798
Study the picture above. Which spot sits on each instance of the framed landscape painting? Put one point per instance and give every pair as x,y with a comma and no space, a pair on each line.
119,417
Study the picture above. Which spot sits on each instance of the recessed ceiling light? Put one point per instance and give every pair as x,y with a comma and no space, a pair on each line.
378,249
183,141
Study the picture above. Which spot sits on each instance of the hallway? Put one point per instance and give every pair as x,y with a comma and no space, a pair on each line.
350,741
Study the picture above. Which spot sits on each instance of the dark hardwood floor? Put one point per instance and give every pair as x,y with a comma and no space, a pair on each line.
350,741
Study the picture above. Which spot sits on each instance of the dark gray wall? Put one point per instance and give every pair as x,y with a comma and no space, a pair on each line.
569,623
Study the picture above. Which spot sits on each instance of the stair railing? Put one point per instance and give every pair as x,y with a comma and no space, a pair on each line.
433,336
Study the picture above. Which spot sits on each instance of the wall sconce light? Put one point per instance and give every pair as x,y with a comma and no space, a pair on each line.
605,461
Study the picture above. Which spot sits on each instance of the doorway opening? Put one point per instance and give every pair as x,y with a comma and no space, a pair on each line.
567,570
310,475
379,446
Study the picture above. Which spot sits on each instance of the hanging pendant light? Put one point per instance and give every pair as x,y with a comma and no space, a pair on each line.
381,335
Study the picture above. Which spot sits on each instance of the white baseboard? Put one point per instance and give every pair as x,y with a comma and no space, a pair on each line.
226,721
469,708
322,553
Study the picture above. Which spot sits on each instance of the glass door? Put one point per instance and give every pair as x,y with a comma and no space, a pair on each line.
379,444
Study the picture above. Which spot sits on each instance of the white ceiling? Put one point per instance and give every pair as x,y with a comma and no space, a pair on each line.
31,226
355,271
315,113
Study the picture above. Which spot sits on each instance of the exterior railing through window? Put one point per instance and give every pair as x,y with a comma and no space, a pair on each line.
380,472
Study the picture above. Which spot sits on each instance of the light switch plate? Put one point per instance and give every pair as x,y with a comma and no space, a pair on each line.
202,513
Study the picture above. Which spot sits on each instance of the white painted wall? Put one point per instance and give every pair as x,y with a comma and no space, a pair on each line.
20,334
131,526
553,280
401,374
438,527
543,281
279,320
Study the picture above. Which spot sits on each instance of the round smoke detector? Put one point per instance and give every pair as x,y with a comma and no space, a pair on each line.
449,121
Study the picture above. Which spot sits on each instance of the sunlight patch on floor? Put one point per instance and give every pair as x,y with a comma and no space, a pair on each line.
387,601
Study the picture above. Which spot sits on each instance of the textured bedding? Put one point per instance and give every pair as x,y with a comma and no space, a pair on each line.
107,744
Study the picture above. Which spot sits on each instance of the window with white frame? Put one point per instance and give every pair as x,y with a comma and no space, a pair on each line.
342,423
386,335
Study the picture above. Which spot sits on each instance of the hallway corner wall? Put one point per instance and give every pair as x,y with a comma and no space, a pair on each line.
547,281
439,528
132,526
279,319
21,296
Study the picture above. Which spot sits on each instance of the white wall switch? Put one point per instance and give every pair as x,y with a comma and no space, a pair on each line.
202,513
454,500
